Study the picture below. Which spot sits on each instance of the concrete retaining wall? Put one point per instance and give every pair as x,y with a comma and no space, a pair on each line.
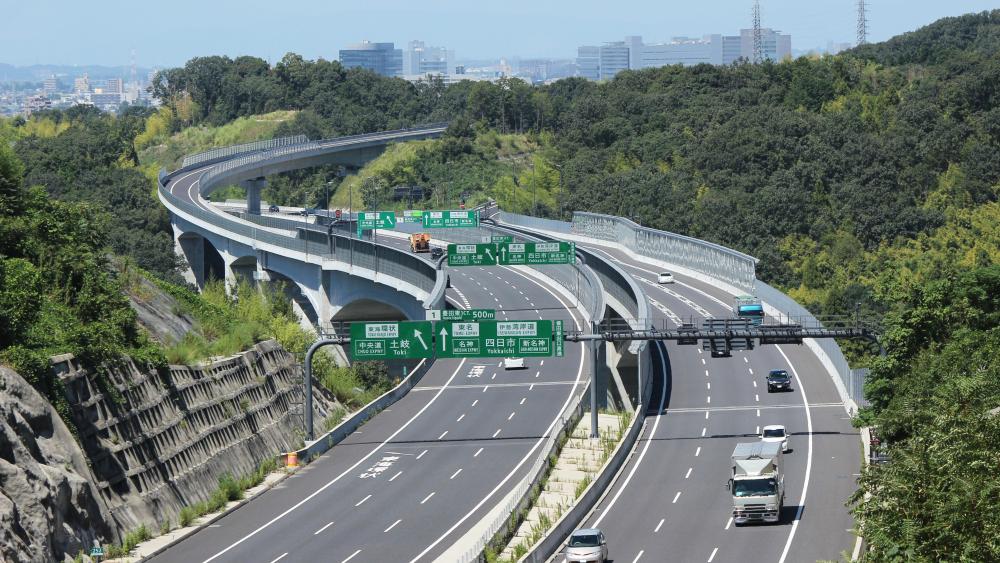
159,440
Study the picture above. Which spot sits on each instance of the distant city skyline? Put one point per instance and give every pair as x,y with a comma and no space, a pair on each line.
103,32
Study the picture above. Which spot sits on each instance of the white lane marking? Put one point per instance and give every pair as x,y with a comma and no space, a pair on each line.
658,526
758,430
485,388
353,555
537,444
638,556
703,362
475,402
428,497
393,478
282,556
709,399
497,433
758,412
541,363
645,448
706,415
494,376
421,454
530,387
536,373
443,434
703,430
523,399
479,451
746,360
320,531
712,556
347,471
362,501
677,496
697,452
809,460
729,523
708,385
750,370
706,373
455,474
756,397
511,415
755,383
460,418
688,474
394,524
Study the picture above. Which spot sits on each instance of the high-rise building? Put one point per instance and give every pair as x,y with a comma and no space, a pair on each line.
588,62
421,60
50,86
775,46
114,86
81,84
382,58
614,59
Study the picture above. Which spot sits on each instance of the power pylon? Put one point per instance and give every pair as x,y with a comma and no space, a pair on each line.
758,39
862,22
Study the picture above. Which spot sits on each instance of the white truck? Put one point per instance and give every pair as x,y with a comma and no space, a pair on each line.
756,483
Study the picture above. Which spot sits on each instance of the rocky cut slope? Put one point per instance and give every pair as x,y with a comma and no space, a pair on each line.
49,507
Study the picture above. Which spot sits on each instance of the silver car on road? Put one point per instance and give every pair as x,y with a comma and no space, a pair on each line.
587,546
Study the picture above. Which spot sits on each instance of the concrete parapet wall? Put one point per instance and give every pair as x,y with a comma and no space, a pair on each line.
159,440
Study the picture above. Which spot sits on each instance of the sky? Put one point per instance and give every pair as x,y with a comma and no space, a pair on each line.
169,33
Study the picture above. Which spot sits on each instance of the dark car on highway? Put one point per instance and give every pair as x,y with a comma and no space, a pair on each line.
778,380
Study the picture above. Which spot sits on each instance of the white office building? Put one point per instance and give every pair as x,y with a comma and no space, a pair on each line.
603,63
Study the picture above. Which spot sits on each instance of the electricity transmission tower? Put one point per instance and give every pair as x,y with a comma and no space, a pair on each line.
862,22
758,39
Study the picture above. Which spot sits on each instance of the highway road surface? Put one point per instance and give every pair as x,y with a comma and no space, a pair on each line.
670,503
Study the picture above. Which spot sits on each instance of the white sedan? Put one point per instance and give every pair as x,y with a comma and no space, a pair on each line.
513,363
665,277
775,433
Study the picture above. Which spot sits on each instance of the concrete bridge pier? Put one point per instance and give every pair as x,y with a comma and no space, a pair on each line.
190,247
254,187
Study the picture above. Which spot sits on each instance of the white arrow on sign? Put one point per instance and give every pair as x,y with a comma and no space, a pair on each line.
503,253
490,254
420,337
444,339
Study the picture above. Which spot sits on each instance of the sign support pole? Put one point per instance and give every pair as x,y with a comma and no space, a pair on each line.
594,433
307,390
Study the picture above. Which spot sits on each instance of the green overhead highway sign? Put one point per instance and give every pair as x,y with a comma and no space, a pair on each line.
536,253
493,339
557,338
390,340
497,239
483,254
461,315
368,220
413,216
450,219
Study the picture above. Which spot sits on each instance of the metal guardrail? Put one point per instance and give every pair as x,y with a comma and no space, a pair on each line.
349,425
226,152
711,259
210,178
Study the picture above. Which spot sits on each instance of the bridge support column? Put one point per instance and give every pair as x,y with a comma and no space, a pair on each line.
192,249
253,187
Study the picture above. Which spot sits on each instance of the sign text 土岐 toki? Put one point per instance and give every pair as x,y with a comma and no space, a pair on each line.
390,340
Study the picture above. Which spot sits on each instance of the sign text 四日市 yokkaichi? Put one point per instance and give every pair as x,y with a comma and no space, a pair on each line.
495,339
450,219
